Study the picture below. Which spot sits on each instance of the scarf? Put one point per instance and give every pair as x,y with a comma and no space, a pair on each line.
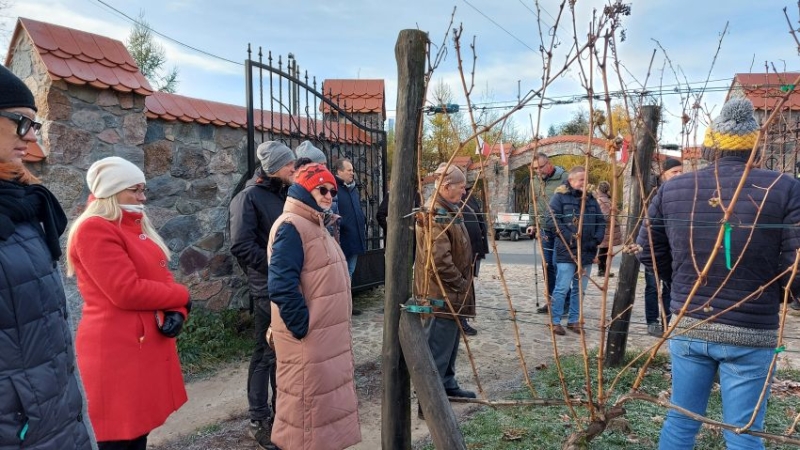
21,203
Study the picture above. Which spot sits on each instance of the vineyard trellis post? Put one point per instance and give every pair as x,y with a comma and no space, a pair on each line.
410,52
641,172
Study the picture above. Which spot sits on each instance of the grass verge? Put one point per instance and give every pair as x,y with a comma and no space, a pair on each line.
548,427
211,339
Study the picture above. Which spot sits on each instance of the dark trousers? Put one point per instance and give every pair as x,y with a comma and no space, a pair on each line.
261,374
139,443
651,313
548,240
443,337
602,255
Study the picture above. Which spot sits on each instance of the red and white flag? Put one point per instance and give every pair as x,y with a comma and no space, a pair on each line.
622,154
479,146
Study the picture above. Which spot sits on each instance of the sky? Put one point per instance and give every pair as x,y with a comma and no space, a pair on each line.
356,39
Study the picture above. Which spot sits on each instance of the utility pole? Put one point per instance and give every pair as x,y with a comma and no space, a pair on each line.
410,52
641,169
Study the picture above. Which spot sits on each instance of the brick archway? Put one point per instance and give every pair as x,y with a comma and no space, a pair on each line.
500,185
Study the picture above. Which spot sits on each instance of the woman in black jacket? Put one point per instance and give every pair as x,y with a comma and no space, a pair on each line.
41,405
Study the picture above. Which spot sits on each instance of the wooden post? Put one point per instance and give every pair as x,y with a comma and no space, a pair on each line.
641,169
410,52
441,419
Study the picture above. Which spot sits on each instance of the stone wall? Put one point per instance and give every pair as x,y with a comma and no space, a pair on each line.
191,169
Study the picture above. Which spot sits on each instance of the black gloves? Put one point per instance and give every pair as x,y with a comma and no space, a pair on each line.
173,324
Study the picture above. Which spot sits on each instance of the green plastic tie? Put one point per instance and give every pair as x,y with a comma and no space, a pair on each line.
787,87
437,302
780,349
728,245
418,309
23,431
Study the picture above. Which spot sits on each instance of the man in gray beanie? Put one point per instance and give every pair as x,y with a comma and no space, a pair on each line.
307,150
44,407
730,317
252,213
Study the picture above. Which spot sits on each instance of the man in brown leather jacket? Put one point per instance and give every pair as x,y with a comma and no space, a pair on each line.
445,241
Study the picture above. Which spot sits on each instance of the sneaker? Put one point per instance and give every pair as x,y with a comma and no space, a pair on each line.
261,431
574,327
468,330
542,309
654,329
559,330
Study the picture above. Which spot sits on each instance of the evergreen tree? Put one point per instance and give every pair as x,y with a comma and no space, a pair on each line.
151,57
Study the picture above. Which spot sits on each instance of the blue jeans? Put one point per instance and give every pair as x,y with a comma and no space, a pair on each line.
567,282
351,264
651,313
742,373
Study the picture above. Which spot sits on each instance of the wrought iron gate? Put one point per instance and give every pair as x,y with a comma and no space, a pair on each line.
283,105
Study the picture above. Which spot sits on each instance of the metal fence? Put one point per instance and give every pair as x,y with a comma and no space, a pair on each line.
285,105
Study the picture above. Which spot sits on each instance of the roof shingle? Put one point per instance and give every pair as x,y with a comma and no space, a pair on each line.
172,107
78,57
764,89
355,96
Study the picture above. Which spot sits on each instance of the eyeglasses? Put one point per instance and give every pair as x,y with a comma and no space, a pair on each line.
24,123
138,190
324,191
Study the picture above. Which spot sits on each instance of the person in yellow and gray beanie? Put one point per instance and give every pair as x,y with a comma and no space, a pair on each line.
730,320
735,130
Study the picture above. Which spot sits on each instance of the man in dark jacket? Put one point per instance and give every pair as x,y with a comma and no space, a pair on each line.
477,230
573,244
669,170
729,276
352,228
41,401
252,212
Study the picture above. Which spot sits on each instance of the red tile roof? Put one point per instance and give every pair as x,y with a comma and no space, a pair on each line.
690,153
78,57
764,90
173,107
358,96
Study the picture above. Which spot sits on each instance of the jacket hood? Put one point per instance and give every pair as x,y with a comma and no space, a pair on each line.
565,188
557,173
273,184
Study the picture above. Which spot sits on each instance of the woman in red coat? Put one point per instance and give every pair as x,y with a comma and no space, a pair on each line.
132,311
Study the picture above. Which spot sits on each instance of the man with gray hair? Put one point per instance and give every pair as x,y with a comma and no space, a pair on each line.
546,178
252,213
446,243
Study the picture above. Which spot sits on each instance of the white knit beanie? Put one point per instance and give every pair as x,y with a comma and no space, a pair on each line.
112,175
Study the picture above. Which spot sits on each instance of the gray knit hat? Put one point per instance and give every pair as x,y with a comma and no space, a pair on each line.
307,150
735,129
13,92
274,155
